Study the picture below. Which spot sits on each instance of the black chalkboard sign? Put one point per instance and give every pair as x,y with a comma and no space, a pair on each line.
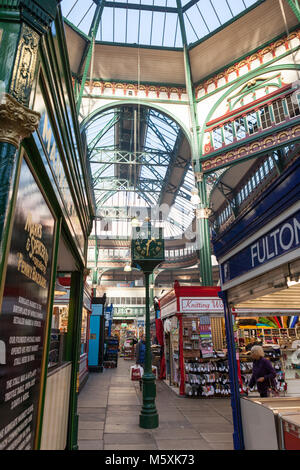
24,313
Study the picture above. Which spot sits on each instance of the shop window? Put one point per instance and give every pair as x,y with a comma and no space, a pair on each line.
84,324
217,138
253,182
278,111
266,167
265,117
271,163
59,330
228,133
252,123
240,128
293,107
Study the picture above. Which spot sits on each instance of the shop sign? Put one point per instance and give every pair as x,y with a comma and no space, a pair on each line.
24,313
169,309
280,240
201,305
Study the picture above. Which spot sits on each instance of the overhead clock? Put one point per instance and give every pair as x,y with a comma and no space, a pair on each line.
149,248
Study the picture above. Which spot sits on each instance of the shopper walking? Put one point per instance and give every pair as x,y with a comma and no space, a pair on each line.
141,351
263,373
141,354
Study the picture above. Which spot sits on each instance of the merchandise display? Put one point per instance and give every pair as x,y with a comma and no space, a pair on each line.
129,349
277,337
207,379
111,352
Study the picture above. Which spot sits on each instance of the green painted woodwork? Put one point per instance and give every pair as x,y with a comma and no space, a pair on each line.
38,14
8,45
8,201
73,353
48,333
8,153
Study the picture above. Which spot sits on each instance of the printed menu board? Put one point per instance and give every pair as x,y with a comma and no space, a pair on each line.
24,313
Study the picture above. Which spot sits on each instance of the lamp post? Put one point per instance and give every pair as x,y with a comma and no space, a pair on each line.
146,254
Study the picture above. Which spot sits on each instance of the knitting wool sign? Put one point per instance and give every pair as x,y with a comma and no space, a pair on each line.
201,305
280,240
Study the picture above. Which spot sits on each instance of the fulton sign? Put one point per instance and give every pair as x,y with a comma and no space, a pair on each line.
264,251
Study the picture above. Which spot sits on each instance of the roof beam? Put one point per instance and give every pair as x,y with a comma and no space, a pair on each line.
88,50
136,6
294,4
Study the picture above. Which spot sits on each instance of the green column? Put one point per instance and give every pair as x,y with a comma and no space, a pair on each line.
73,353
295,6
149,415
16,123
7,171
203,235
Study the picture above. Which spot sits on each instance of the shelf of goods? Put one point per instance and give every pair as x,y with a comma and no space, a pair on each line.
275,356
207,378
111,352
206,370
276,343
129,350
156,355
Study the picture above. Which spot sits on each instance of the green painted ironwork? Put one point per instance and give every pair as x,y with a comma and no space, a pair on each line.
294,4
88,51
73,353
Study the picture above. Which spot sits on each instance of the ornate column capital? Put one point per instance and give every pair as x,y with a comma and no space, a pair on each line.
199,176
16,120
203,213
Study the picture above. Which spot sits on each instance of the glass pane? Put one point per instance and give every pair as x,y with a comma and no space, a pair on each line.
293,108
217,138
228,133
278,110
265,117
252,123
240,128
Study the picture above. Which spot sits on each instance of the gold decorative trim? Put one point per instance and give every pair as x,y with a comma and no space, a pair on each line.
203,213
16,121
25,64
199,176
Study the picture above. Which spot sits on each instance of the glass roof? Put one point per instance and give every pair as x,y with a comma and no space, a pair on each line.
132,152
154,22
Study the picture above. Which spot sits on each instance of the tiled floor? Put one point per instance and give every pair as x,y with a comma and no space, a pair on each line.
109,407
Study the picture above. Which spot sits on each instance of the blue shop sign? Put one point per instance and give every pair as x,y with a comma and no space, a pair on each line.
281,239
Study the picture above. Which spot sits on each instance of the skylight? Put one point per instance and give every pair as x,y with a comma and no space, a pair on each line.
154,23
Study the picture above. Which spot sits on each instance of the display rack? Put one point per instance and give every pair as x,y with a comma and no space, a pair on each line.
111,352
129,352
275,356
279,336
207,378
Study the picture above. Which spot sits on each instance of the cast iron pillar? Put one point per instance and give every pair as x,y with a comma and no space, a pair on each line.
203,233
149,415
238,438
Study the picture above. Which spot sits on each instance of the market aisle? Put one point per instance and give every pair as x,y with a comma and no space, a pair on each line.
109,407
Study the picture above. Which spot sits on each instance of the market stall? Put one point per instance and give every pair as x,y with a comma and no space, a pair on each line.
196,363
259,259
